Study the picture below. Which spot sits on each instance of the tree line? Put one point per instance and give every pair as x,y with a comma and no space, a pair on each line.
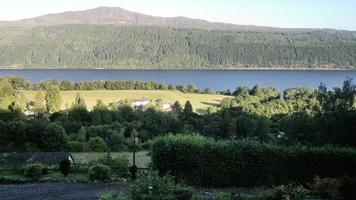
20,83
300,116
133,47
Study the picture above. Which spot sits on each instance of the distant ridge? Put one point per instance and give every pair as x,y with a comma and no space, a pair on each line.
119,16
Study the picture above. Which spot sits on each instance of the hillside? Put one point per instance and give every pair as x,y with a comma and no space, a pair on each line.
115,38
119,16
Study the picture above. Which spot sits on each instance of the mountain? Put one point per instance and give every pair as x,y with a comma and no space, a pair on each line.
108,37
119,16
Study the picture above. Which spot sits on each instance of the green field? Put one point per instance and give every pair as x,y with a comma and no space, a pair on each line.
199,101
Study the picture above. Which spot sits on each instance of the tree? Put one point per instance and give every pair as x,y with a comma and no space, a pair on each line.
101,113
54,138
39,104
97,144
7,94
188,108
176,107
79,102
256,91
78,110
53,98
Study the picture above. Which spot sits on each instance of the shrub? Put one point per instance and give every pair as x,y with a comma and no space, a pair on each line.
99,172
222,196
75,146
183,193
111,196
34,170
290,192
151,186
326,187
200,161
64,167
118,165
97,144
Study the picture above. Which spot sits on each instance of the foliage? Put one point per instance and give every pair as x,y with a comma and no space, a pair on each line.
39,104
53,98
54,138
151,186
119,165
200,161
328,188
33,171
291,192
64,167
110,196
170,48
99,172
97,144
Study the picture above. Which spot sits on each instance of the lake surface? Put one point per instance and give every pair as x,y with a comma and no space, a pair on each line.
215,79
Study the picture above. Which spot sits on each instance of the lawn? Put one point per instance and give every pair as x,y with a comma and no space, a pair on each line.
199,101
142,159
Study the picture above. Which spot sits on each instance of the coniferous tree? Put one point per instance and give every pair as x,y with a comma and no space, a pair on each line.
53,99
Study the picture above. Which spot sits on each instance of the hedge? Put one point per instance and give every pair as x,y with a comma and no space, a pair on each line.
200,161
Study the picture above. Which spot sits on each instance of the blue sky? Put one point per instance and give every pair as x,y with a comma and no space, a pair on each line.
339,14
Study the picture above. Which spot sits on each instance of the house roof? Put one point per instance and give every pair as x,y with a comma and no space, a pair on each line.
49,158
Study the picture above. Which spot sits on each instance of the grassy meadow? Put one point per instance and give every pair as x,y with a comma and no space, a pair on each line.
199,101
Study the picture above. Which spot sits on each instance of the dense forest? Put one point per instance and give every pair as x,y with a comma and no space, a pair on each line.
149,47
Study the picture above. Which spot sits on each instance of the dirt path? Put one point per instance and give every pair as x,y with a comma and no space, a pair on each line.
59,191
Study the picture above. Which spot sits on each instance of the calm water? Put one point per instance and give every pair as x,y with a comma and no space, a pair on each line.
216,80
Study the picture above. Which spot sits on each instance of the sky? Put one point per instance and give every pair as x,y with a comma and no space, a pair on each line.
337,14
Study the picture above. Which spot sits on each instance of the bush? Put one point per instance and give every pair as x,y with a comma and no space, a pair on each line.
326,187
119,165
75,146
79,169
33,171
64,167
200,161
183,193
111,196
99,172
151,186
97,144
290,192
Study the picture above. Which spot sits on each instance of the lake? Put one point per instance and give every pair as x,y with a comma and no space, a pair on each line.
215,79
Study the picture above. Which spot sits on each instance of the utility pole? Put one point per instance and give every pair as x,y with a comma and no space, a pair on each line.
133,168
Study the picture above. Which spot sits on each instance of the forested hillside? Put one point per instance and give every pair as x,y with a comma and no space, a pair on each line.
148,47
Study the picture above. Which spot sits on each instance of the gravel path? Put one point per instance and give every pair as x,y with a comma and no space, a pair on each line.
59,191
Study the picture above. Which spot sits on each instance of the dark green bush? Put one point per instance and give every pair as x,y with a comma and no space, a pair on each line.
97,144
110,196
151,186
99,172
119,165
64,167
290,192
34,170
200,161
